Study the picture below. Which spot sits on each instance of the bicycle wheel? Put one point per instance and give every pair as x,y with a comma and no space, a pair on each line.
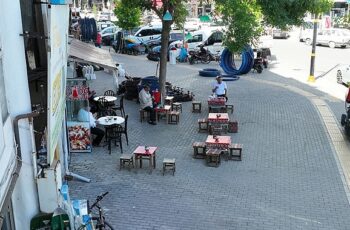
107,226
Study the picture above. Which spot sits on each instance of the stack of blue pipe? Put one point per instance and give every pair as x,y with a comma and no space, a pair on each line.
228,65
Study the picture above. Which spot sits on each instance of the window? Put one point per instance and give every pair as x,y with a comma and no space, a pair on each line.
215,38
108,31
196,38
146,32
176,36
156,31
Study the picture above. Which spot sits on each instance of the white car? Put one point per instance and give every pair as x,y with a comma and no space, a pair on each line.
192,24
148,33
343,74
330,37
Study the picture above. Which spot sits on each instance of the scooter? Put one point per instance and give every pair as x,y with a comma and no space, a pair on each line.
200,55
258,64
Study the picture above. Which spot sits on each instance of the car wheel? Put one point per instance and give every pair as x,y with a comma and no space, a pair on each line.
331,45
343,119
308,41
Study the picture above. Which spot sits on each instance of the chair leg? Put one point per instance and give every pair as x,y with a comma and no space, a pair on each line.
110,146
126,137
121,145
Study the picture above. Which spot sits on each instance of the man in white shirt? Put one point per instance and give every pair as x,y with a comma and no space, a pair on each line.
86,116
146,104
220,88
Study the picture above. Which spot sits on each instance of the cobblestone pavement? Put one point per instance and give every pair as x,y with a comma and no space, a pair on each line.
288,178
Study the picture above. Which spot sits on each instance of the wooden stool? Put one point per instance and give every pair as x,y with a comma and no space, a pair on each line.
177,106
196,107
199,149
169,164
126,158
144,115
213,157
169,100
203,125
232,126
229,107
173,117
232,148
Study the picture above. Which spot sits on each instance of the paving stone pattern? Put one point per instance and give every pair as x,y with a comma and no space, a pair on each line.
288,178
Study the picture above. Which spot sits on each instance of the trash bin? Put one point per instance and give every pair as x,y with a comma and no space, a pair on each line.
172,56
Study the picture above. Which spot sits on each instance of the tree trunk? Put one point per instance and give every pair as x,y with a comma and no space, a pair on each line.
164,57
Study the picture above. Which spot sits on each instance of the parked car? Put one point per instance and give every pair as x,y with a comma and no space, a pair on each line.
174,36
192,24
278,33
104,24
147,33
108,34
154,54
330,37
211,39
343,74
104,16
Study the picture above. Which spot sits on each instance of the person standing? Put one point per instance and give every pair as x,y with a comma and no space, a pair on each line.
98,40
146,103
220,88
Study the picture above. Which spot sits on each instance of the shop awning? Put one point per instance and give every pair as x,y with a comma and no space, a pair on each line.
87,53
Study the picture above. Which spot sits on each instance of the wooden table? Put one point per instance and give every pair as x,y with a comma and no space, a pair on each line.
222,142
163,111
150,155
218,118
217,103
108,98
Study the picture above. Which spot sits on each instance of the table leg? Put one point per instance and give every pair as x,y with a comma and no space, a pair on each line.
154,160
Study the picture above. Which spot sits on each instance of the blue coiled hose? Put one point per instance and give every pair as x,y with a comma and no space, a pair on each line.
228,65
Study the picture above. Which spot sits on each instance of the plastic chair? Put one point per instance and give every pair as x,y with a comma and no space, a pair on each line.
109,93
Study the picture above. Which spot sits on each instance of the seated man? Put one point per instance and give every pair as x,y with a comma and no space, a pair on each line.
147,104
86,116
220,88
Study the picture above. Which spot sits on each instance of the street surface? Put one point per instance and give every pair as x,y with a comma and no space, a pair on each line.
289,177
293,61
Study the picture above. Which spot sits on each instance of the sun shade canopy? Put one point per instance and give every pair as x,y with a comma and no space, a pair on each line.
87,53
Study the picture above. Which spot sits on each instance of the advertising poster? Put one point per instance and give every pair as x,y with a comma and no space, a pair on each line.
58,19
79,136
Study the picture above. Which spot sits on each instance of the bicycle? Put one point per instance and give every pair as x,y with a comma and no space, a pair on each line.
98,221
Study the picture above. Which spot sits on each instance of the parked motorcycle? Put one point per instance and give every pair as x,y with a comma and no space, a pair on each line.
201,55
345,118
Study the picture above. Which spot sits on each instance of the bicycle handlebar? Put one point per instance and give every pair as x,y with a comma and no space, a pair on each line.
98,199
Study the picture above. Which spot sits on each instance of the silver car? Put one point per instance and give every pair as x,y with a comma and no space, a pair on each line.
330,37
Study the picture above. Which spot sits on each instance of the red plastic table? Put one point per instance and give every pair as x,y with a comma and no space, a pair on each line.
218,118
222,142
150,155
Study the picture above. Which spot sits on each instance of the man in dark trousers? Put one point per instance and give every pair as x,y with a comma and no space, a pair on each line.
86,116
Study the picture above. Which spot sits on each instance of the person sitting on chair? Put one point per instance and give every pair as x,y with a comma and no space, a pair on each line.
85,116
146,103
220,88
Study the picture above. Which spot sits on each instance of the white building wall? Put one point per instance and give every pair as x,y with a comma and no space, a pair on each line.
24,198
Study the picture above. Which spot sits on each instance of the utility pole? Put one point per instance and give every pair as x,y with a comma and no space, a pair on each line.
313,52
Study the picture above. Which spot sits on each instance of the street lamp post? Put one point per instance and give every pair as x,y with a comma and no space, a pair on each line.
313,52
